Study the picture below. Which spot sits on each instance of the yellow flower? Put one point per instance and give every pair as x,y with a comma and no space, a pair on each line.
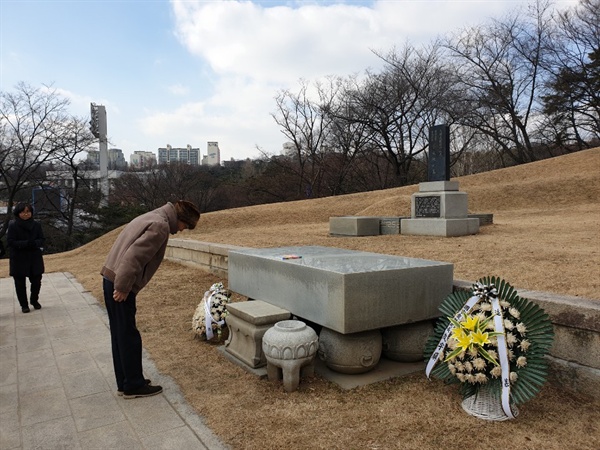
463,339
480,338
470,323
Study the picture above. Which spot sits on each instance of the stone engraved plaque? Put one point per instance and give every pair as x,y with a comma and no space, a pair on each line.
438,168
389,225
427,206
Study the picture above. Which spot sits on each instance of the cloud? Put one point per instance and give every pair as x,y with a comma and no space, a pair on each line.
222,117
179,89
279,44
255,51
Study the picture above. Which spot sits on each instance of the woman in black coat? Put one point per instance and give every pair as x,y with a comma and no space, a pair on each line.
25,241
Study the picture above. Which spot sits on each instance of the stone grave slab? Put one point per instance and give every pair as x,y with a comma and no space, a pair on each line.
344,290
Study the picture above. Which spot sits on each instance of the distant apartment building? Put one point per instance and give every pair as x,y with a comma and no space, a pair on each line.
116,159
140,159
288,149
213,155
187,155
63,179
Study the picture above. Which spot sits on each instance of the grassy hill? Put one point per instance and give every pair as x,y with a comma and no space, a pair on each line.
545,236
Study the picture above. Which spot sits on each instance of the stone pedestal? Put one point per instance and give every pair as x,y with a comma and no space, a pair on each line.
439,209
247,323
406,343
350,353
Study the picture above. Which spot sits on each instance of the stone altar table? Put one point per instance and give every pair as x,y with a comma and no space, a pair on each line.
344,290
248,322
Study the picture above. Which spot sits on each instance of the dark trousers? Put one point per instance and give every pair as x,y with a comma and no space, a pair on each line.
21,288
125,339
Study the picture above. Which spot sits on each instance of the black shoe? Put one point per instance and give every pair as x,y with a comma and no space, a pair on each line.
36,305
145,391
25,309
120,392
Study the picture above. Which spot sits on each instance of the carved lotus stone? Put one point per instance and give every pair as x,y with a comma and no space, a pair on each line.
290,347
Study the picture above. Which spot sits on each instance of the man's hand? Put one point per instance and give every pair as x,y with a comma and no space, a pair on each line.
119,296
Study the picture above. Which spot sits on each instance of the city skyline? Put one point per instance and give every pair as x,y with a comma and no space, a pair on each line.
138,158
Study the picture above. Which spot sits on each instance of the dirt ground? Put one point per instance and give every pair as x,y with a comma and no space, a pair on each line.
545,237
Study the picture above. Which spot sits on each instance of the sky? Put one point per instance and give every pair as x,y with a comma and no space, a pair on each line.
185,72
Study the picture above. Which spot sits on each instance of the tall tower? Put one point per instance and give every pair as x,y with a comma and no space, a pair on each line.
99,130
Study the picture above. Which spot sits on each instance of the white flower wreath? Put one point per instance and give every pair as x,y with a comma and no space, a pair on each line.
210,314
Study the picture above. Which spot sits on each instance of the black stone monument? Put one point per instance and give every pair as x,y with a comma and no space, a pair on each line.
439,208
438,168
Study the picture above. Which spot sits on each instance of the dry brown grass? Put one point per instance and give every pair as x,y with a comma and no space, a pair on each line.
545,236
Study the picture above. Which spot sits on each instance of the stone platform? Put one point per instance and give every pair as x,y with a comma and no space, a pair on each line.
439,209
344,290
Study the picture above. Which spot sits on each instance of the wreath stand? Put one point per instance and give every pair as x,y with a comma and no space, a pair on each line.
484,405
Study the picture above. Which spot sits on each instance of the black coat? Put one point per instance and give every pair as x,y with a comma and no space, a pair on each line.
25,240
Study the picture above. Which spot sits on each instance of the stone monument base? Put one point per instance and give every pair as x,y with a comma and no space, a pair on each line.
440,227
354,226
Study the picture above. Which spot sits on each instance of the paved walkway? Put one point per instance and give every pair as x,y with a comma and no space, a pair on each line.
57,388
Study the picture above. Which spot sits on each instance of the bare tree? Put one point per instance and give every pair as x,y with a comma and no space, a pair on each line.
75,139
143,188
572,102
32,122
499,65
304,124
166,182
401,103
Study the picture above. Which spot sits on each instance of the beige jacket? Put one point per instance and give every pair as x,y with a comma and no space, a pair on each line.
140,248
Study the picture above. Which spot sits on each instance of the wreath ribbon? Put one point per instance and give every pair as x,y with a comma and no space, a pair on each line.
459,316
208,318
501,339
503,356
